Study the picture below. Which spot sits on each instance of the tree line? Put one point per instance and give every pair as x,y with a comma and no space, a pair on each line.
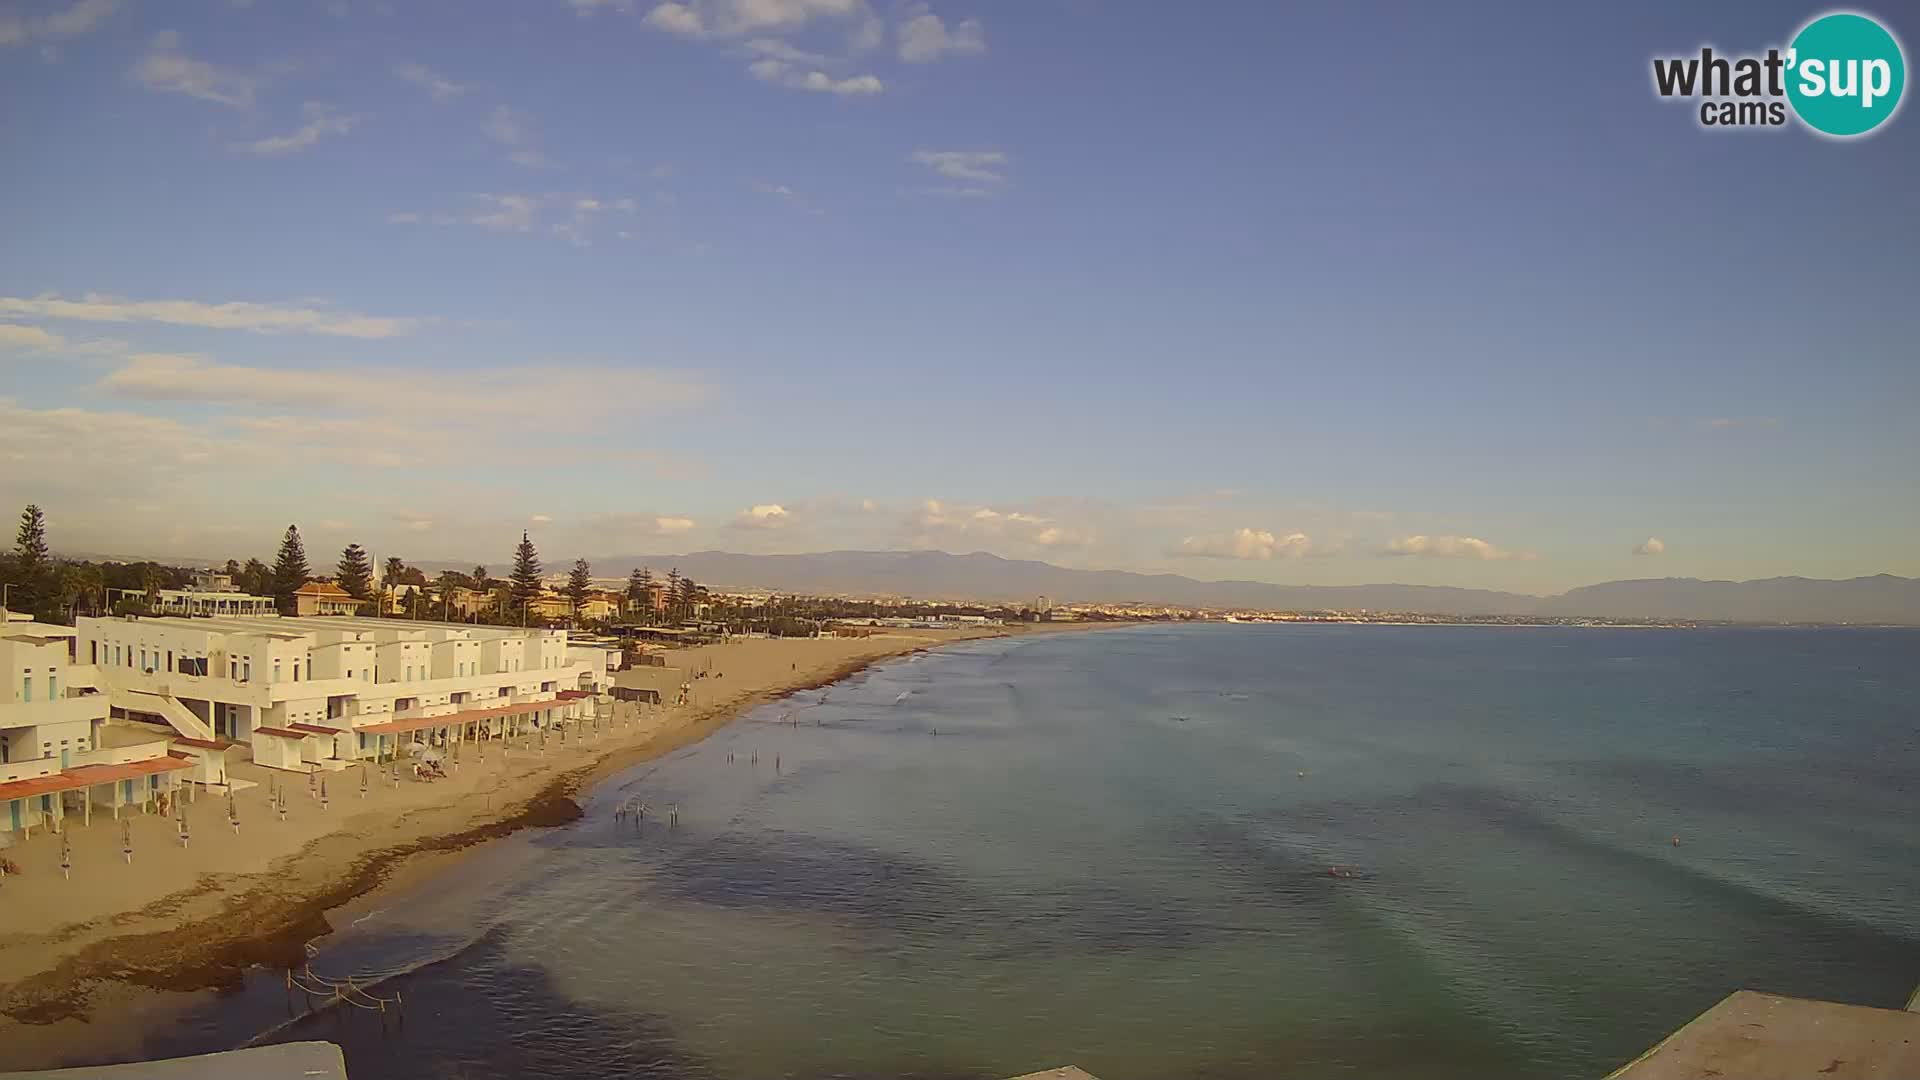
52,589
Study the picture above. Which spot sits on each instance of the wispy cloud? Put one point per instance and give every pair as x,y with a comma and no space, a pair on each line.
982,173
322,121
763,516
1247,543
514,129
738,18
1450,547
781,73
935,522
232,315
15,336
397,390
924,37
167,69
70,21
438,86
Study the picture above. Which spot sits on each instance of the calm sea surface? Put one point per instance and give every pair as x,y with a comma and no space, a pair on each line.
1113,849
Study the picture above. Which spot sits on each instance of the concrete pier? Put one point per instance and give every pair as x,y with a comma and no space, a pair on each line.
1755,1036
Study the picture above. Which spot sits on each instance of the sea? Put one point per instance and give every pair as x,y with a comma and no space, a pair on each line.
1176,852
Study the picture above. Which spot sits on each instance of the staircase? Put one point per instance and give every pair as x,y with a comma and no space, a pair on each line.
166,707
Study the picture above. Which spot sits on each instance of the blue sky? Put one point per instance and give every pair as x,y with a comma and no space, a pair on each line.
1307,293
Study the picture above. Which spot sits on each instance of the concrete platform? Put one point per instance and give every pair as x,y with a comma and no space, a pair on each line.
291,1061
1755,1036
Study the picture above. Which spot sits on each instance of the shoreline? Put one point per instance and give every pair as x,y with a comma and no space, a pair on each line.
206,937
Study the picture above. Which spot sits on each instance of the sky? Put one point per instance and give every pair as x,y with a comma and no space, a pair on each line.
1314,293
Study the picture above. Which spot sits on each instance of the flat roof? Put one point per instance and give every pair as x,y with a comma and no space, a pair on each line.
415,723
285,1061
89,775
1755,1036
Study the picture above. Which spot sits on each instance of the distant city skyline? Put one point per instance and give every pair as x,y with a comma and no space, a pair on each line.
1434,301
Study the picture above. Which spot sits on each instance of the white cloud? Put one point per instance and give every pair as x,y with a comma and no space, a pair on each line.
934,522
668,526
1652,545
923,37
513,128
738,18
1450,547
233,315
167,69
975,166
506,213
541,519
15,336
676,19
584,8
322,120
1245,543
776,49
781,73
397,391
72,20
435,84
763,516
610,531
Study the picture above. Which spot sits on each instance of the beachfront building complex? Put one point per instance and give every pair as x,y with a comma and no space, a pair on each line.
322,691
59,753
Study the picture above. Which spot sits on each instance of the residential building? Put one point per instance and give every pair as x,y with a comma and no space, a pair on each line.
58,750
323,598
197,601
344,686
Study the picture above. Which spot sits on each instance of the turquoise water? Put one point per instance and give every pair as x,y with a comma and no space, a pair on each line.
1113,849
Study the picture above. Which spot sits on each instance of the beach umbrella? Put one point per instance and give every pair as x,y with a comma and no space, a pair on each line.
323,794
363,781
66,858
233,812
126,840
180,815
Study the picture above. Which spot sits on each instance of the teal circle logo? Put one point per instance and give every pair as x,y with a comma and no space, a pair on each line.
1845,74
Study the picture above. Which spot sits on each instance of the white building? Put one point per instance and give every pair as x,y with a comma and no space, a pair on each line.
325,690
58,751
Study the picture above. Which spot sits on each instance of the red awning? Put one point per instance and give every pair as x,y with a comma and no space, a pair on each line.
574,695
395,727
88,775
314,729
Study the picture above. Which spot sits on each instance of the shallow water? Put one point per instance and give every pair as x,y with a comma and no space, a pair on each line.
1101,848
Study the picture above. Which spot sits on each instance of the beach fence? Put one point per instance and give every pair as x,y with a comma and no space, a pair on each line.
357,991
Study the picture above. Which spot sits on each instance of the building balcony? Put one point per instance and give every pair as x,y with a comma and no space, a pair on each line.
86,707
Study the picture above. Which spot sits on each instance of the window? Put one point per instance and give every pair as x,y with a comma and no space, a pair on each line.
26,688
246,670
53,687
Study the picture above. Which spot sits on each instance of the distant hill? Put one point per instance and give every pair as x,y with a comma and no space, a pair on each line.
939,575
981,576
1882,598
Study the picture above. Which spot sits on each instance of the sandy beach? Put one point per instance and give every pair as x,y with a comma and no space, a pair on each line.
195,917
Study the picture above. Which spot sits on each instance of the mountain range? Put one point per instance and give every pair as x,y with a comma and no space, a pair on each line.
1881,599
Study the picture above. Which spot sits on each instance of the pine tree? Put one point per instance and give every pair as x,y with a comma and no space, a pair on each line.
640,593
356,572
673,595
290,570
579,584
526,572
32,566
689,595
